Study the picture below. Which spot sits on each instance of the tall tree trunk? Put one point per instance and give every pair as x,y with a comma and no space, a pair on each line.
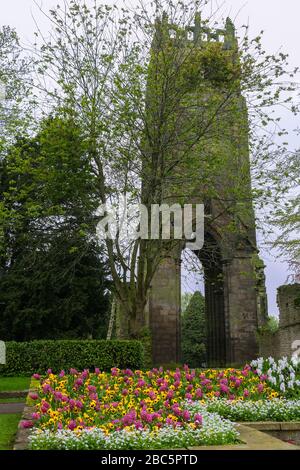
130,325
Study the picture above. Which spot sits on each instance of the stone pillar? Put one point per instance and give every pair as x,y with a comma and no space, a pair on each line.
164,308
240,310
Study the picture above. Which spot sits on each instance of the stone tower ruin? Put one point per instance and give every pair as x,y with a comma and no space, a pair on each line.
235,295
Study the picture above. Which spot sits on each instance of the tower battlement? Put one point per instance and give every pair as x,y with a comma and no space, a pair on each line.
200,33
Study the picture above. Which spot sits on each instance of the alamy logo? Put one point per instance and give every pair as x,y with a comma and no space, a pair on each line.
131,221
2,353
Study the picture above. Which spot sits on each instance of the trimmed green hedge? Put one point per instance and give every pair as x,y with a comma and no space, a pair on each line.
39,356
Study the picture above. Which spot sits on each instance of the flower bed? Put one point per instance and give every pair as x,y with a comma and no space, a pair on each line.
153,409
261,410
136,400
282,375
214,430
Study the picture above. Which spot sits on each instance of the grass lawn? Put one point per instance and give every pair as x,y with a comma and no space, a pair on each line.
13,384
8,429
12,400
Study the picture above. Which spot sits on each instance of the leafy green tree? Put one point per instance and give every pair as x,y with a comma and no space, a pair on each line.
285,213
16,99
15,107
54,282
185,300
271,326
193,331
40,301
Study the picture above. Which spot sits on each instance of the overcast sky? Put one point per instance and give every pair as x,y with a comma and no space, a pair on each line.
280,19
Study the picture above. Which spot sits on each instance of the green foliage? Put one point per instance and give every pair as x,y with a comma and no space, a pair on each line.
285,216
270,327
43,302
146,340
194,332
38,356
185,300
54,281
215,66
15,80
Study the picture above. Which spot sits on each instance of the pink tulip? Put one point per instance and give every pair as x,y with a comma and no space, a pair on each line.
224,388
238,383
198,419
46,388
72,424
33,396
260,388
26,424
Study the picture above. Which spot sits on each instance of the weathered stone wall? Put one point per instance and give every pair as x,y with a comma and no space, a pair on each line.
242,310
269,345
288,299
284,342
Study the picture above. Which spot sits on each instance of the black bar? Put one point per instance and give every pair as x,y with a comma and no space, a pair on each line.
138,459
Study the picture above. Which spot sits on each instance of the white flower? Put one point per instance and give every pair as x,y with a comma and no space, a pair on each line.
292,375
273,380
214,429
282,387
295,360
